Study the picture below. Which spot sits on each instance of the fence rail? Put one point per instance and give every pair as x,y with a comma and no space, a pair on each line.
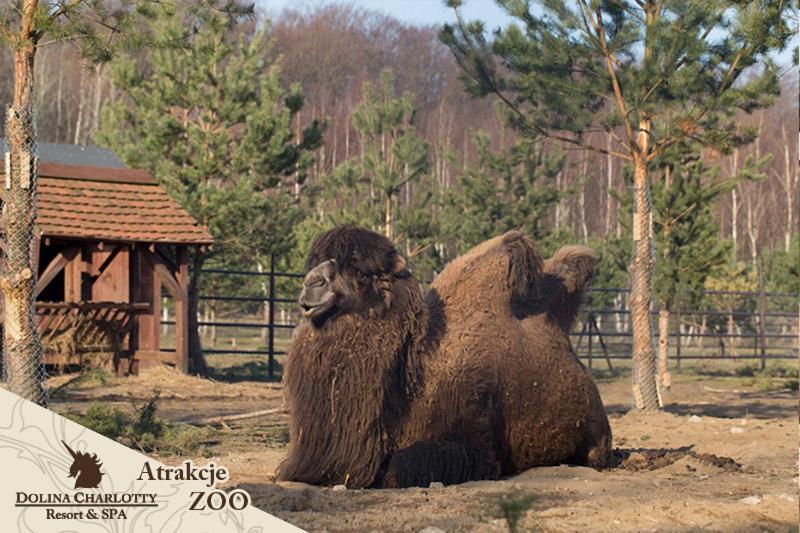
256,311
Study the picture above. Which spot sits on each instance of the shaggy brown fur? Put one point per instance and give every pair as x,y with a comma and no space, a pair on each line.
565,275
476,381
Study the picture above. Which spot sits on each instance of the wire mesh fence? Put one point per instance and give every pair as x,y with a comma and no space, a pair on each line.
249,313
23,370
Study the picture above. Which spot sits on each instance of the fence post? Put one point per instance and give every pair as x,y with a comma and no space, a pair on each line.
762,304
602,342
271,339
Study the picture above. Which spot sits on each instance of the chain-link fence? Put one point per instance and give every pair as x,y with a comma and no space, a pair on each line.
23,370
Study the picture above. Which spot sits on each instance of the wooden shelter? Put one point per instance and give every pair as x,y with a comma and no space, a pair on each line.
108,238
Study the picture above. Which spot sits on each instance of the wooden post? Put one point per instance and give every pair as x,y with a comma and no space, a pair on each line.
271,340
73,277
762,308
134,272
580,335
182,311
602,342
145,288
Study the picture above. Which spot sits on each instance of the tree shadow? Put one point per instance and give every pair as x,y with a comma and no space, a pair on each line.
749,409
760,405
248,371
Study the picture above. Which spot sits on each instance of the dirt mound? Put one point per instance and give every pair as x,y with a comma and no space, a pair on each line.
637,460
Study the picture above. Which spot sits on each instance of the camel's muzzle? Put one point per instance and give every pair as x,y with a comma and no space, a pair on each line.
317,296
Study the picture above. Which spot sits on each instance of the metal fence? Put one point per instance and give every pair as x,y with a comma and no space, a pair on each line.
252,313
740,326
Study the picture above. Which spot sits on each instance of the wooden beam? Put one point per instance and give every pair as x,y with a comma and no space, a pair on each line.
113,255
166,259
182,311
56,265
145,287
92,173
164,274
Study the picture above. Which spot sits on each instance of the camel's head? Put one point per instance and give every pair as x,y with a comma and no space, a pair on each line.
350,270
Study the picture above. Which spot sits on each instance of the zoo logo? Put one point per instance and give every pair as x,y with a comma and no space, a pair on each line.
85,469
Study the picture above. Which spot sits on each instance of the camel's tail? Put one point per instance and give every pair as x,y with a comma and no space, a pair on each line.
566,276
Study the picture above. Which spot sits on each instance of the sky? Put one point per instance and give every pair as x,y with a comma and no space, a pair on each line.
411,11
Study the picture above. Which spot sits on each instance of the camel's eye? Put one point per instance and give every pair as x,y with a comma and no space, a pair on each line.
362,276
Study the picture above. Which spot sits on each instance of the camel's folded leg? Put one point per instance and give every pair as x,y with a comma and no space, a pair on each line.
448,462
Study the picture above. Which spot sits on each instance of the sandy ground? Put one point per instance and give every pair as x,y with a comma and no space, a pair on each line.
722,457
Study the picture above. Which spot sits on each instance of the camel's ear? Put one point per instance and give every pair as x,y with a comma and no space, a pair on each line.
399,267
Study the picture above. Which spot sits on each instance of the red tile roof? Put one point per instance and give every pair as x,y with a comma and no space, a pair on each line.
111,204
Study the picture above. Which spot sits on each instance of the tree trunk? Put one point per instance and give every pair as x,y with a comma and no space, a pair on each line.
752,232
609,183
558,203
582,201
264,336
81,104
388,217
701,339
197,361
734,223
645,389
664,377
98,100
22,347
790,175
731,332
214,325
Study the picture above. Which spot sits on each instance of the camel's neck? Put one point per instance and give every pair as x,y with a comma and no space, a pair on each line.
348,386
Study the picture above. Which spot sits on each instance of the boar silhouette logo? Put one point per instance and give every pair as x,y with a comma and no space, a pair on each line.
85,469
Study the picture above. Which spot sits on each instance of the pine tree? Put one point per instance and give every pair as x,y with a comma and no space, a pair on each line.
686,237
392,169
394,155
783,271
502,191
686,232
209,119
625,68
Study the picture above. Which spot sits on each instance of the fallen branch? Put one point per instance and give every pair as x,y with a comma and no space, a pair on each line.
224,419
732,391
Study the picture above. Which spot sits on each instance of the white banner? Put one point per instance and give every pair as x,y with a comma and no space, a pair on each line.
58,476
